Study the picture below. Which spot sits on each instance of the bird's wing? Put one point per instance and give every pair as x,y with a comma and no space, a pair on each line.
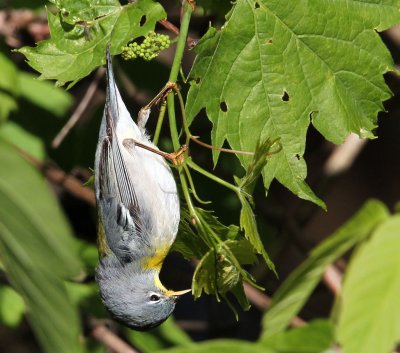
119,208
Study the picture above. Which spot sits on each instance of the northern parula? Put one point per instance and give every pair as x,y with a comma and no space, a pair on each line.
138,216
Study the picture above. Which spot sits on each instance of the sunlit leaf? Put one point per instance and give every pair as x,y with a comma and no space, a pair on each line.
294,292
78,41
275,67
315,337
370,314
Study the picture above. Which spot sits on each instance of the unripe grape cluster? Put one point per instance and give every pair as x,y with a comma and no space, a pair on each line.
149,49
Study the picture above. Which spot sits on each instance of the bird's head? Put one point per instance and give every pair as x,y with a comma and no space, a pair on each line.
136,297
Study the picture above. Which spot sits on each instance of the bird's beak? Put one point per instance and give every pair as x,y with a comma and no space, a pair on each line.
171,293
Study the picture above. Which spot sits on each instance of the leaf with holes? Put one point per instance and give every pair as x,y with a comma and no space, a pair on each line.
78,39
276,66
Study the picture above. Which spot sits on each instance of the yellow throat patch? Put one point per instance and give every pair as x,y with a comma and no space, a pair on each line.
155,262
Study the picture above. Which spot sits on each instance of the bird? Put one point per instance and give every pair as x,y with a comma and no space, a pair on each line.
138,216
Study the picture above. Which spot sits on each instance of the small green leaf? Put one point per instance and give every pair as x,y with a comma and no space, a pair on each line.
220,271
72,11
12,307
224,232
81,292
222,253
369,321
296,289
249,224
246,184
78,41
315,337
261,155
188,243
7,105
9,76
90,182
89,255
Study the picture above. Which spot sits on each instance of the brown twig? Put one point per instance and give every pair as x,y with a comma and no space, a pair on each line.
193,325
343,156
80,109
191,42
333,279
105,336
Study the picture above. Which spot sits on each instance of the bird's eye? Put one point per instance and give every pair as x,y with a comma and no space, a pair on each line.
154,298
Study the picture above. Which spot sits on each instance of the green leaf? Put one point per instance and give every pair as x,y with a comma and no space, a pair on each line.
43,94
33,220
315,337
248,223
370,315
188,243
220,346
164,336
293,63
37,250
7,105
78,41
9,87
9,76
89,255
85,10
15,134
246,184
220,270
12,307
222,253
296,289
54,319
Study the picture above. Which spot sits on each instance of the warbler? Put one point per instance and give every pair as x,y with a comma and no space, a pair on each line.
138,216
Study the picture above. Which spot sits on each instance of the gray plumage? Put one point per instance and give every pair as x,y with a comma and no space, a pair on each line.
138,210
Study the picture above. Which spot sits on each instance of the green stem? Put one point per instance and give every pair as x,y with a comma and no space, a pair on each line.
184,121
159,123
199,169
191,184
173,76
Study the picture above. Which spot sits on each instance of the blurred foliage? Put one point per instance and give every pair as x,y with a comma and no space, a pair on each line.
12,306
295,291
271,67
